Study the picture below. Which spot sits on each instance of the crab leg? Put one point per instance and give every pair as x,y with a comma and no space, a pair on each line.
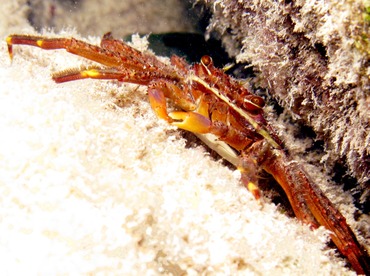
146,61
105,55
71,45
311,206
88,73
121,74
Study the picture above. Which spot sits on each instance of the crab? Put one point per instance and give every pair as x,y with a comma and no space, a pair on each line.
222,112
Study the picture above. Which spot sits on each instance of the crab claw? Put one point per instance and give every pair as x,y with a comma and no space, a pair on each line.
191,121
157,101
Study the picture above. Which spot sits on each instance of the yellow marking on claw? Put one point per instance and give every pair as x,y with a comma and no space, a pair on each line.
90,73
39,42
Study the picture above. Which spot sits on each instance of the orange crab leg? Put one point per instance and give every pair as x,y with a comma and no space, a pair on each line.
71,45
111,44
132,56
113,53
311,206
88,73
121,74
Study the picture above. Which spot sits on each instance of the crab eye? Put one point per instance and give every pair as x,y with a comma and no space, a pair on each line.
206,61
253,103
258,101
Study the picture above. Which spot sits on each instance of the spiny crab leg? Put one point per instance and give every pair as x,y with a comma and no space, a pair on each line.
95,53
94,72
72,45
317,208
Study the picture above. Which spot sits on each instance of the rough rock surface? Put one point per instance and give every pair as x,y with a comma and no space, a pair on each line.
313,57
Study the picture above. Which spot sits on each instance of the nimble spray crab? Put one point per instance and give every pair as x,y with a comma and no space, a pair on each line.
218,108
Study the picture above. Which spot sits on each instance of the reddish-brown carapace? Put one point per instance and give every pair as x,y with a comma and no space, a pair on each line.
212,104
